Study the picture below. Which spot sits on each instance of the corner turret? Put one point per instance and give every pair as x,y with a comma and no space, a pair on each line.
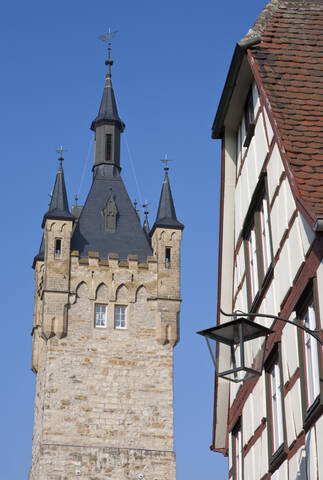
166,243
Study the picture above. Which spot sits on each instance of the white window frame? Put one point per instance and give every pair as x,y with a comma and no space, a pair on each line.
237,452
265,235
253,262
276,406
311,359
100,315
120,323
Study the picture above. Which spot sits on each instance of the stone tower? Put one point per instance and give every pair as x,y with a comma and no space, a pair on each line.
106,316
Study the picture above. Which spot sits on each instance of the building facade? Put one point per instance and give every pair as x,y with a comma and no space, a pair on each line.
106,315
271,242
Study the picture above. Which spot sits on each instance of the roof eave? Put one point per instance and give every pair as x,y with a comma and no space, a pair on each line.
178,226
57,216
238,54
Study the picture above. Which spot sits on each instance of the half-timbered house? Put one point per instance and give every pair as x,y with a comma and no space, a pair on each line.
271,242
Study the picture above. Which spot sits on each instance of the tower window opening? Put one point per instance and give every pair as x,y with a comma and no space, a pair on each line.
108,145
100,316
58,246
167,257
120,316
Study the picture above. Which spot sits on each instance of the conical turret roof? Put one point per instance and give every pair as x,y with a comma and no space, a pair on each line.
108,112
166,214
58,207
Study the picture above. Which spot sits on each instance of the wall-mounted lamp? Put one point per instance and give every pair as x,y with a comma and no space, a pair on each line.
238,347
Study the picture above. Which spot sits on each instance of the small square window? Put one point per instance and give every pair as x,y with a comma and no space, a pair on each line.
100,317
120,316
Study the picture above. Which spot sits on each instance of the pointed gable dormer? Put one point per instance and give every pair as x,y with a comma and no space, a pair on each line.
107,125
58,207
166,214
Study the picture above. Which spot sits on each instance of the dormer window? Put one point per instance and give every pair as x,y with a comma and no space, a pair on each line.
110,215
108,147
58,247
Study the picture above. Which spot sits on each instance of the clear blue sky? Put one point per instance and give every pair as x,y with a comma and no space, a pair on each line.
171,60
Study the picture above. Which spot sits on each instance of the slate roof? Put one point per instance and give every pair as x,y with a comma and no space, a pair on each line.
166,215
290,61
108,111
58,207
90,234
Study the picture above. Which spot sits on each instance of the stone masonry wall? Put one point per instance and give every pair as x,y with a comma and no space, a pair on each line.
104,396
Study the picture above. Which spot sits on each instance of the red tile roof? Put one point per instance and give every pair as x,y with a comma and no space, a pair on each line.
290,62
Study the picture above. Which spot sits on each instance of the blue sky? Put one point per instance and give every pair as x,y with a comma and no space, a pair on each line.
171,60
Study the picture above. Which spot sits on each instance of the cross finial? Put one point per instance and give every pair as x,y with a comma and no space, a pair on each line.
165,161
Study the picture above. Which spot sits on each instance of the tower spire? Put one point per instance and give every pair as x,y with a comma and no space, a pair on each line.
166,214
58,207
107,125
145,226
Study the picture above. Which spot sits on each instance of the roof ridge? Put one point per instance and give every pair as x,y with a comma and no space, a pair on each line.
269,11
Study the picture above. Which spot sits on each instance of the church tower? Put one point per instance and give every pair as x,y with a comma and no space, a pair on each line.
106,316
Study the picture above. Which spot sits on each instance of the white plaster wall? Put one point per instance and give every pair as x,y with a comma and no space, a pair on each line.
237,211
261,147
259,401
311,454
281,473
307,234
257,454
264,453
241,300
248,465
230,451
319,436
234,388
282,274
296,255
269,129
297,465
275,169
245,192
251,164
255,99
290,349
320,289
269,306
248,423
278,218
289,199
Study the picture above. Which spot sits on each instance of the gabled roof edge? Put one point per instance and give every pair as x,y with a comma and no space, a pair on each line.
238,54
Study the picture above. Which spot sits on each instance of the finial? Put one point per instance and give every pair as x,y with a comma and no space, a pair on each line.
60,152
76,199
107,37
165,161
144,206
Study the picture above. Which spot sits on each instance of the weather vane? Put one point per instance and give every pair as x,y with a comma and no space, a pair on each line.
107,37
60,152
165,161
144,206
